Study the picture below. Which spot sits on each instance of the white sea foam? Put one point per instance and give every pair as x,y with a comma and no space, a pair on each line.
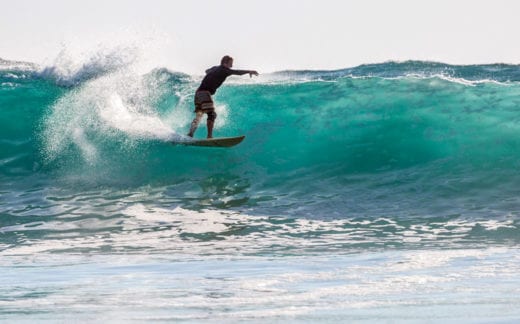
174,231
416,285
171,264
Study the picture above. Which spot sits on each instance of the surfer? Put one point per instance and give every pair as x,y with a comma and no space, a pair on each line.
214,78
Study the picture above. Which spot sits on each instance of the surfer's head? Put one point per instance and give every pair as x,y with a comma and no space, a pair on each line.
227,61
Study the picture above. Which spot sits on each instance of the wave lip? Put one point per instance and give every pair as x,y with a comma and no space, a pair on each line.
69,69
503,73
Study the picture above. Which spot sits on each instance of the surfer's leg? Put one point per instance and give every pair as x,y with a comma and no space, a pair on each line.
212,115
210,124
195,123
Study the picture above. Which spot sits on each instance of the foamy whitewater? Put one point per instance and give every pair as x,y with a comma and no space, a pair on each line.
380,193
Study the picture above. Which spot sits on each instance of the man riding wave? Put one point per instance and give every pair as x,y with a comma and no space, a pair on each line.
214,78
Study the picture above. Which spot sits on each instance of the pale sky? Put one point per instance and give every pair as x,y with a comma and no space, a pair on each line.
267,35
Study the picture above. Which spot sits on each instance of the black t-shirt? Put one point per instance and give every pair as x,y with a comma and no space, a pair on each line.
215,76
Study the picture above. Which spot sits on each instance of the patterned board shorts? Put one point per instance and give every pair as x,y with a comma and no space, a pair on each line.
203,101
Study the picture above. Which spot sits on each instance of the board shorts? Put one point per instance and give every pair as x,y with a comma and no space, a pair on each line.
204,104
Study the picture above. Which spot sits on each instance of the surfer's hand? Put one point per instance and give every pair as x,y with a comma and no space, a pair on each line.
251,73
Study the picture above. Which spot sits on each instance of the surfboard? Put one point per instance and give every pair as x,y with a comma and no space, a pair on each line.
215,142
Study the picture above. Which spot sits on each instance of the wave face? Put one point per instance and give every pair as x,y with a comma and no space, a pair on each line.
415,147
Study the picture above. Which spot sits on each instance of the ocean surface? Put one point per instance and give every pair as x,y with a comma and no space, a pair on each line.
380,193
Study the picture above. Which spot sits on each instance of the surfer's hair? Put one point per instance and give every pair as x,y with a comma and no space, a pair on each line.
226,59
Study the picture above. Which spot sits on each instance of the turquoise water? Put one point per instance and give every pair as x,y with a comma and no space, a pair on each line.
384,192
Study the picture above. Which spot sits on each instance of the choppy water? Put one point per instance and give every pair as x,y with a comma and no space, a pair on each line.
385,192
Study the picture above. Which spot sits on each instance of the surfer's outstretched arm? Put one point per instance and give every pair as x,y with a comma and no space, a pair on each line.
242,72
